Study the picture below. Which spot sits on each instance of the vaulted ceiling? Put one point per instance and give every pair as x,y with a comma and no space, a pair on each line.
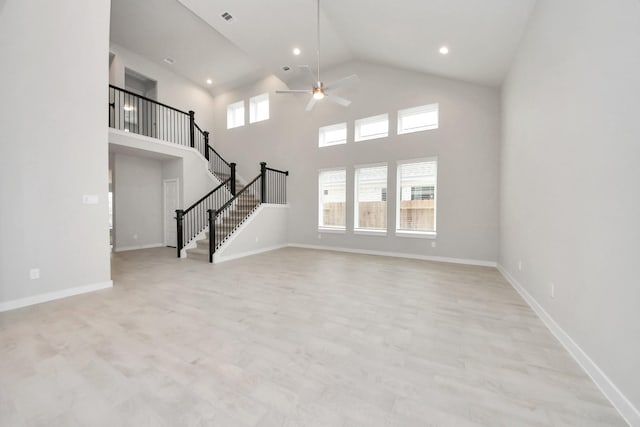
482,36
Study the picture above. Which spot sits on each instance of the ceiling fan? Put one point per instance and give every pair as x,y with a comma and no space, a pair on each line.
319,89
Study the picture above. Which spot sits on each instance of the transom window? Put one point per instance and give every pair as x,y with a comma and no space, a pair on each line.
372,127
417,119
259,108
235,115
332,135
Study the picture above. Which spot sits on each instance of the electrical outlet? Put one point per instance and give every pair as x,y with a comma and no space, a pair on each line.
552,289
433,244
34,273
519,265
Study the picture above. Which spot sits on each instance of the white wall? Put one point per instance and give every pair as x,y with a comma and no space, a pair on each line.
173,89
138,214
570,207
54,148
196,180
466,144
265,230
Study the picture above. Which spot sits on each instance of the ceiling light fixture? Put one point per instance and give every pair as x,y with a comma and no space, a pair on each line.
209,81
296,51
319,90
318,93
444,50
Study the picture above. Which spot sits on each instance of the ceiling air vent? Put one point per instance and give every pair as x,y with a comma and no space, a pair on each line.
286,68
227,17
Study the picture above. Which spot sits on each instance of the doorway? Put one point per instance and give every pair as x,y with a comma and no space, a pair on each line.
171,203
141,117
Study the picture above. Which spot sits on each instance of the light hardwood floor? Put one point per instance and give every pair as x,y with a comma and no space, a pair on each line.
292,337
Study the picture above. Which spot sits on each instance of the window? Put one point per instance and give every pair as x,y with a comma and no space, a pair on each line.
422,193
371,198
235,115
417,119
259,108
333,199
372,127
332,135
416,209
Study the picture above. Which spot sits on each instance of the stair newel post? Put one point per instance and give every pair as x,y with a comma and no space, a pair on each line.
206,145
233,178
212,233
263,182
192,128
179,222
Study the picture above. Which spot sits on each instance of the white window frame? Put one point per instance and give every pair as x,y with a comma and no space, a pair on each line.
369,120
253,107
368,231
408,112
324,130
328,228
231,109
414,233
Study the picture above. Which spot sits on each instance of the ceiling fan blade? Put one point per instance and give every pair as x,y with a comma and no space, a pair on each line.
353,78
311,103
337,99
294,91
314,81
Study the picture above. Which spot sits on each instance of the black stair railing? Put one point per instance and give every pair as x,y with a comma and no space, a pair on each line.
193,220
134,113
268,187
274,185
222,169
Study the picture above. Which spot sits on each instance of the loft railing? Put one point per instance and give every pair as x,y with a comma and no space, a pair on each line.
134,113
193,220
268,187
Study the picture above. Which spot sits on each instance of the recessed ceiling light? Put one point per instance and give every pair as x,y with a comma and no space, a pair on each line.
169,61
444,50
296,51
209,81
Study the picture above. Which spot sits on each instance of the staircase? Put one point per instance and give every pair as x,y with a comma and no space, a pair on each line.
224,208
237,215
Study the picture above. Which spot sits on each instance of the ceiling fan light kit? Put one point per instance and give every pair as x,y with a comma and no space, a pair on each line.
318,89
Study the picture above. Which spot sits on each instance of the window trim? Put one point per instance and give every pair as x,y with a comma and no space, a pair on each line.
234,105
253,101
368,120
330,228
329,128
416,233
428,108
362,230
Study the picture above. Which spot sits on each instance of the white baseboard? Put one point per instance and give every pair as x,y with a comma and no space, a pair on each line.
619,401
398,255
135,248
218,259
51,296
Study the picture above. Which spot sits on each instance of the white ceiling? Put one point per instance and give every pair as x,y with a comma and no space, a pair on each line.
482,36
